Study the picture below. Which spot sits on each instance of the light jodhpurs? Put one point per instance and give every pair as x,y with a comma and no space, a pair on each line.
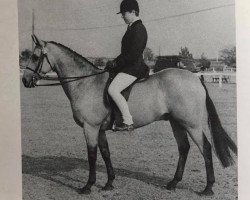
120,82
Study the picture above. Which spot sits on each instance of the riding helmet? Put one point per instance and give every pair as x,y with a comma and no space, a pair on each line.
129,5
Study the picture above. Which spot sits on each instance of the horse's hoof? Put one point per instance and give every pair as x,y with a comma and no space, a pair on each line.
171,185
206,192
84,190
108,187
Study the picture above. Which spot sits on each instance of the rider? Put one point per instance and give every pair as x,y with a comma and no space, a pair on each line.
129,65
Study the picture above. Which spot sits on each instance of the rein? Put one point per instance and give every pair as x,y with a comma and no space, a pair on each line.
37,73
76,78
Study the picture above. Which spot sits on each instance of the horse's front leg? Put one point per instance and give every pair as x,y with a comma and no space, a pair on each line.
104,149
91,135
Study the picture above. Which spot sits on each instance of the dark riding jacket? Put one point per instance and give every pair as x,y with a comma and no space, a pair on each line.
130,61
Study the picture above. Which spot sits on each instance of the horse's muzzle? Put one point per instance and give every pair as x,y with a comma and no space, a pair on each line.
28,83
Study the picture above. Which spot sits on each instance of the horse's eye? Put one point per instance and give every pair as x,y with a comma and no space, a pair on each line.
34,57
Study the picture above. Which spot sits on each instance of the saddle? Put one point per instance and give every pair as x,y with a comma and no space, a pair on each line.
116,115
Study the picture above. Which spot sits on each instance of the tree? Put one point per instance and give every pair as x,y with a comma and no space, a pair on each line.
148,54
99,62
205,63
185,53
228,56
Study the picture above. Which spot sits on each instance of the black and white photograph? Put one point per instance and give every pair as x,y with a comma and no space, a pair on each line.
128,99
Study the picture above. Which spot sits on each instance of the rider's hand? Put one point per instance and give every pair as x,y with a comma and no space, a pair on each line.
110,65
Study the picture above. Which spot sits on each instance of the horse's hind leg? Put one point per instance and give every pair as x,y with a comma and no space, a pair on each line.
180,135
207,153
205,148
104,149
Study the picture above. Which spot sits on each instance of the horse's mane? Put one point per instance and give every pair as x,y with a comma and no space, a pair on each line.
78,58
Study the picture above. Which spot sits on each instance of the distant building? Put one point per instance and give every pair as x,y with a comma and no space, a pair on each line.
217,65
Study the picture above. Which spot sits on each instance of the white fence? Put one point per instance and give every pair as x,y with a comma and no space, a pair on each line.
220,77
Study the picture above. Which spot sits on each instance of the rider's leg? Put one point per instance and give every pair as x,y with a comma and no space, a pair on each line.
120,82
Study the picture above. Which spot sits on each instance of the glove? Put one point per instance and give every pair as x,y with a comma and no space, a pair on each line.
110,65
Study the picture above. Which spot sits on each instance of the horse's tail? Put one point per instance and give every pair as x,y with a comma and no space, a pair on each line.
222,142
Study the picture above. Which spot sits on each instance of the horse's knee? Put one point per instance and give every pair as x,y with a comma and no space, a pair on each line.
91,140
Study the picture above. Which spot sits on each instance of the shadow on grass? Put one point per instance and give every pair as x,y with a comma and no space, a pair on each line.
52,167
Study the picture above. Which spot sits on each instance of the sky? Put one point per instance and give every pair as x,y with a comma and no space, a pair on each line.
92,28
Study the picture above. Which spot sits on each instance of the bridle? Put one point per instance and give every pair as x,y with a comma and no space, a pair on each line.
38,68
39,75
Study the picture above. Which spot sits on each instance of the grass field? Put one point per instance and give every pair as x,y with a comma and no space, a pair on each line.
55,157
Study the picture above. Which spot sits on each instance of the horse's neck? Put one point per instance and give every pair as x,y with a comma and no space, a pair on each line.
68,67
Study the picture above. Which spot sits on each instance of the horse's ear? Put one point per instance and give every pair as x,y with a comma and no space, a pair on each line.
37,41
33,38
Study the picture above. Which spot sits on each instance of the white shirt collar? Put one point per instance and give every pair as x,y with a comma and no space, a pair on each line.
136,19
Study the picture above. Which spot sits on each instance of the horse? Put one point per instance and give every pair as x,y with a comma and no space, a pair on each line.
173,95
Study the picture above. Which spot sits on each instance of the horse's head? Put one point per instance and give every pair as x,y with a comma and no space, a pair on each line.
35,67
